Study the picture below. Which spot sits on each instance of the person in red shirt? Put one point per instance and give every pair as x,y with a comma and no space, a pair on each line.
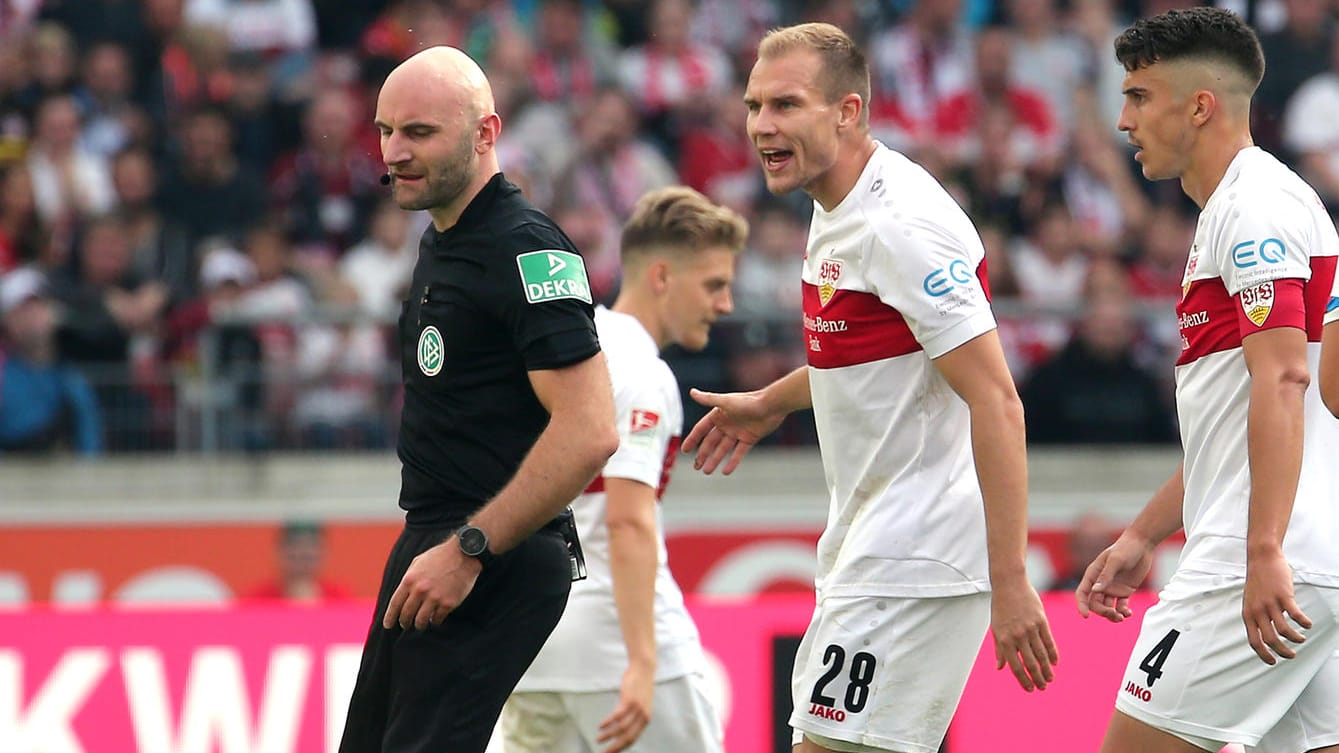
300,556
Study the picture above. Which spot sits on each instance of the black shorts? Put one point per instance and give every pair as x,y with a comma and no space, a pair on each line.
441,690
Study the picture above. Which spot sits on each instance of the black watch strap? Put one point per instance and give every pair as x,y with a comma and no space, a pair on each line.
474,543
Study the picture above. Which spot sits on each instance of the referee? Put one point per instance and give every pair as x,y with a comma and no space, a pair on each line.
507,416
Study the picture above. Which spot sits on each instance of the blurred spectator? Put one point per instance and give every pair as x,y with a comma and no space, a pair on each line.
300,557
1035,135
916,65
111,118
53,61
734,27
160,248
568,63
111,317
194,68
670,76
766,341
1159,270
225,274
327,188
68,182
716,156
92,21
205,188
765,282
340,370
44,404
1308,127
21,231
1097,183
1048,262
18,16
1298,51
1090,535
1047,58
995,185
1098,22
14,75
276,28
613,166
1093,391
258,121
380,266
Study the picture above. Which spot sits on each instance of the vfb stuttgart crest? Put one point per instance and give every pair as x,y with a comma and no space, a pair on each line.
829,271
431,351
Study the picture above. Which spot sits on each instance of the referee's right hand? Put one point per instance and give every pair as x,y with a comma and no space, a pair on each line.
437,581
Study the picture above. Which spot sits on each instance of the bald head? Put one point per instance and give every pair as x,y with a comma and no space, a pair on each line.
444,75
438,132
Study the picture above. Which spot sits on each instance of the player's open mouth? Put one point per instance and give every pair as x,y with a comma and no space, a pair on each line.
776,159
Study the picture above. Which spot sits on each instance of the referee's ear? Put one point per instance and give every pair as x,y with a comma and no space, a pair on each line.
486,135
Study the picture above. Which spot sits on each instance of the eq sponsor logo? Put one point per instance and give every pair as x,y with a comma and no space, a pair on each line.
1249,254
942,281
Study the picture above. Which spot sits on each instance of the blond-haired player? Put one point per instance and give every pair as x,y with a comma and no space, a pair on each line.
624,668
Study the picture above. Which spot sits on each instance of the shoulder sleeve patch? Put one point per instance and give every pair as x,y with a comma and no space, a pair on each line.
553,274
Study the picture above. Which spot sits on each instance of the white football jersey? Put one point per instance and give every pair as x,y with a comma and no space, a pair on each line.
893,277
1264,256
586,652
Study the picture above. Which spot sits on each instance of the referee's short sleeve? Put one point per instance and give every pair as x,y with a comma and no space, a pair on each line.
544,299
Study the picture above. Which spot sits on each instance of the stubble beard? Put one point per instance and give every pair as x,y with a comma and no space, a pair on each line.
446,185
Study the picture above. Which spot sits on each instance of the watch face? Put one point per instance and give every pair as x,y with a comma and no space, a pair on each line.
473,541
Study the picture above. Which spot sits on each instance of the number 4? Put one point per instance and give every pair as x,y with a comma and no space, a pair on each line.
1152,664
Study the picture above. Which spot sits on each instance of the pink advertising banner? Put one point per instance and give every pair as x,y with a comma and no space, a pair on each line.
276,679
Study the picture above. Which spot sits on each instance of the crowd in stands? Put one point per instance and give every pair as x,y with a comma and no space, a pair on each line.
194,187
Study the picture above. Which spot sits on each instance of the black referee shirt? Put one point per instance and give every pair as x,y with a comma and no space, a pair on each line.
500,293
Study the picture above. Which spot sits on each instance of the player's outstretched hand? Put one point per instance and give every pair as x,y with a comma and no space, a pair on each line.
437,581
1266,605
622,728
1111,578
736,422
1023,637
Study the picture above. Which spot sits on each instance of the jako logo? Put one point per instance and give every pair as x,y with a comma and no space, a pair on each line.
937,282
1143,694
1247,254
827,712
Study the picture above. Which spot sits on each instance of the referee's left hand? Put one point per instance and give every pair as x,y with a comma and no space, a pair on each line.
437,581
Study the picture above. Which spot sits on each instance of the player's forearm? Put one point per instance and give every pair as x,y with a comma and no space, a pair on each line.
1163,514
567,455
789,393
1274,446
1000,447
632,562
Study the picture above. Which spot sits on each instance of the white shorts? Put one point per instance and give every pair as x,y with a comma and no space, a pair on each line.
886,673
682,721
1192,673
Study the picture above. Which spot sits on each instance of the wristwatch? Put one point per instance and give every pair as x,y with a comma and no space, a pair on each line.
474,543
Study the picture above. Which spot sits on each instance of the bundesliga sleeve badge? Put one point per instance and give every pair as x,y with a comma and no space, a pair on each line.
644,420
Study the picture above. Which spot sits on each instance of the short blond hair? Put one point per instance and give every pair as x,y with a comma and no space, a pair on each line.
680,221
845,70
